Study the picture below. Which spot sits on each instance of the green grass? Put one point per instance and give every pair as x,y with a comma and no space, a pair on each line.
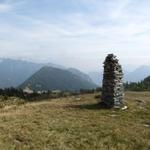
73,124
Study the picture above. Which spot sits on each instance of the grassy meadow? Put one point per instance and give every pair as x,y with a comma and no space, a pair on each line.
75,123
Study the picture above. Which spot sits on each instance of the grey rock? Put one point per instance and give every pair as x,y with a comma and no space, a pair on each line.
112,90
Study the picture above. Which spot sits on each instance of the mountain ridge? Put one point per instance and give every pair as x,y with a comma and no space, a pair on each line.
13,72
50,78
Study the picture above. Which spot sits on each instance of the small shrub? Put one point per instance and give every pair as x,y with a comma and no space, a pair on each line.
97,96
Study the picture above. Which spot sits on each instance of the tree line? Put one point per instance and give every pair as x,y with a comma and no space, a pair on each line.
14,92
138,86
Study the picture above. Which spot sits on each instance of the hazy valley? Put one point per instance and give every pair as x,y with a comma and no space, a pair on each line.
15,73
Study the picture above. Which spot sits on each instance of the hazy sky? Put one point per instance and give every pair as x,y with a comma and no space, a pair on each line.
76,33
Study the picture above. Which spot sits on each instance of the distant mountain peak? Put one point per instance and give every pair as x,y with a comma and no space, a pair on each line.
50,78
13,72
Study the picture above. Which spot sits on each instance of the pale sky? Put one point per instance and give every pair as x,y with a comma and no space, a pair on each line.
76,33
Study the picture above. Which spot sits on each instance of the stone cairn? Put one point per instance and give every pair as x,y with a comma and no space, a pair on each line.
113,90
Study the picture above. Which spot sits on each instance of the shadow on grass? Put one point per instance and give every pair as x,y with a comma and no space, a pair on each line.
96,106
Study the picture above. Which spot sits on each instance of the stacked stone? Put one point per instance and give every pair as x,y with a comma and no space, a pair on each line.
112,91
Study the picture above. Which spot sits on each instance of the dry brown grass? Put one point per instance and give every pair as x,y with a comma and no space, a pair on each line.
70,124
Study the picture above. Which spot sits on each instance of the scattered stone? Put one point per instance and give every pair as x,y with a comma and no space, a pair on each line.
146,125
77,98
124,108
141,107
113,90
